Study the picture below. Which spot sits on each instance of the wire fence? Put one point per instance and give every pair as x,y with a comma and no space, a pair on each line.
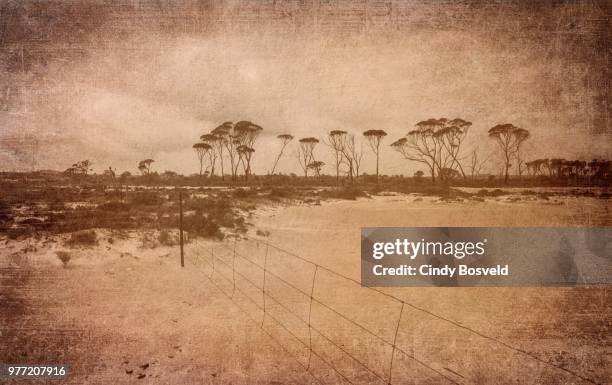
339,331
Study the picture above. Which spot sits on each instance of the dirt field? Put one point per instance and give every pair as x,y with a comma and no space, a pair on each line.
119,312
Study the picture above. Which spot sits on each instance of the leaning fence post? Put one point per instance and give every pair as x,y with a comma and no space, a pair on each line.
394,346
181,226
234,269
314,278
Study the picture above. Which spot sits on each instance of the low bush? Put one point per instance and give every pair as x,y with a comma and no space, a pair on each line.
166,239
57,205
350,193
144,198
203,204
19,232
544,196
263,233
63,256
243,193
114,206
281,192
493,193
202,226
5,211
148,240
83,238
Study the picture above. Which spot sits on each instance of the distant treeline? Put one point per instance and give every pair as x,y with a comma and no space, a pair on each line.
565,176
438,145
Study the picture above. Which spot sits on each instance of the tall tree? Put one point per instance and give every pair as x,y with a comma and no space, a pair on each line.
352,155
375,138
80,168
450,136
316,166
305,152
421,146
509,138
437,144
556,167
285,139
336,140
246,133
476,163
124,176
357,154
201,149
223,134
212,141
245,153
145,166
521,136
111,174
226,139
536,166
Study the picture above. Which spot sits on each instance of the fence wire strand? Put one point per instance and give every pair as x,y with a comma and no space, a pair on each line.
311,298
420,309
306,368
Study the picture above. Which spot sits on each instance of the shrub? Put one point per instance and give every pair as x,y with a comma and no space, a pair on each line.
240,225
495,193
113,206
199,204
83,238
63,256
19,232
33,222
280,192
350,193
544,196
145,198
202,226
57,205
5,211
148,241
243,193
165,238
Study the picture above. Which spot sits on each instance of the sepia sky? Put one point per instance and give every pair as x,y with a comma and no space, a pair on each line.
120,82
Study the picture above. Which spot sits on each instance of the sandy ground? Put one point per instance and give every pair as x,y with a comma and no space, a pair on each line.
120,313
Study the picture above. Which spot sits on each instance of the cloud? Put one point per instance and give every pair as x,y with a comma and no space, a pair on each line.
153,94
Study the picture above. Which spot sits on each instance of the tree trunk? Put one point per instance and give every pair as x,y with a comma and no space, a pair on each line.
276,162
377,168
221,160
433,174
506,174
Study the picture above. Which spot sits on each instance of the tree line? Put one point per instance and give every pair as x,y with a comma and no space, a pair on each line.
438,145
